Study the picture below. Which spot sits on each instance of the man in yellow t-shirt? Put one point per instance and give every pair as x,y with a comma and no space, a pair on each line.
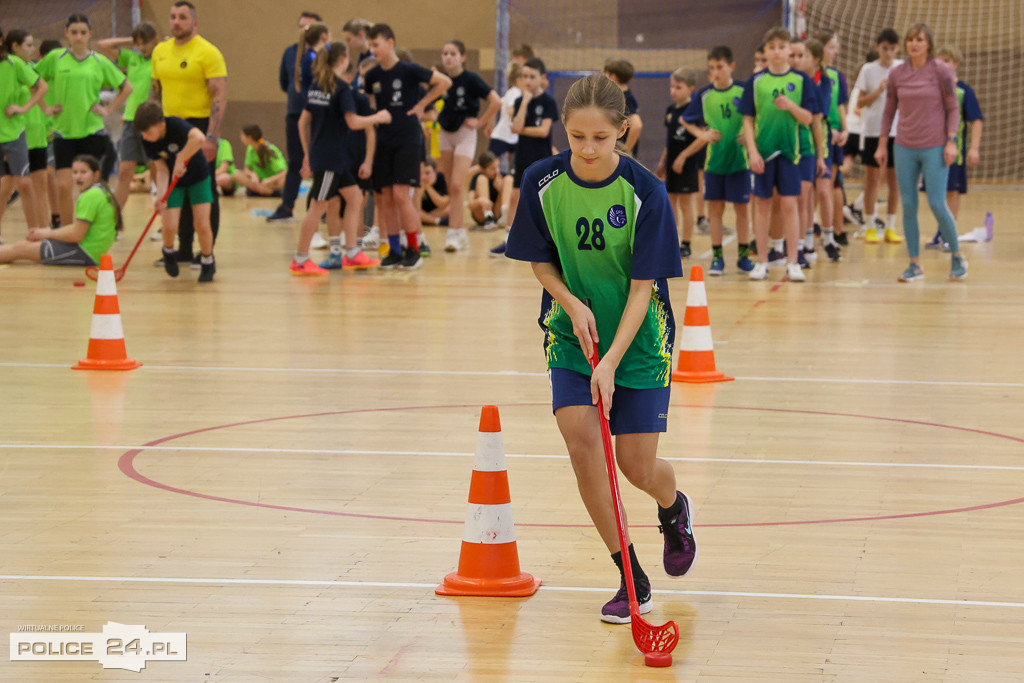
190,79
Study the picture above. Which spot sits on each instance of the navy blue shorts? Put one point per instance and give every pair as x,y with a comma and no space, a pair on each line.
729,187
634,411
808,167
838,155
779,174
957,179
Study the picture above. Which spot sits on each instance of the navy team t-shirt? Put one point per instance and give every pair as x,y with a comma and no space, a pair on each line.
397,89
328,142
462,101
531,149
167,148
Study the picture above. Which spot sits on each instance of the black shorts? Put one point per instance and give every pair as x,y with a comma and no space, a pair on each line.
37,160
65,150
852,146
327,184
867,157
498,147
397,166
365,184
686,182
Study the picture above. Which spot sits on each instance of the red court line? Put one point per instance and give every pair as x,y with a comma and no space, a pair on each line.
126,463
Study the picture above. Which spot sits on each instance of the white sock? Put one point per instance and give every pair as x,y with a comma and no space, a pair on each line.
335,243
351,252
869,221
890,221
828,236
809,240
858,203
301,258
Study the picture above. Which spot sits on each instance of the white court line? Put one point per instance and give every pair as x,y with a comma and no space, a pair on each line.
518,373
464,454
577,589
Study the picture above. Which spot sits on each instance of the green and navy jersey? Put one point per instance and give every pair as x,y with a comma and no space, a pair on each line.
719,110
140,75
840,96
16,77
601,236
775,130
76,86
970,110
822,93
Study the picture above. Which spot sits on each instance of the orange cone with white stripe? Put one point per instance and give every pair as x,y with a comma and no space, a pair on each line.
696,350
106,336
489,562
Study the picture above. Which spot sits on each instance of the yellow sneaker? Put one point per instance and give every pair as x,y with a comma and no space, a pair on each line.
893,237
871,236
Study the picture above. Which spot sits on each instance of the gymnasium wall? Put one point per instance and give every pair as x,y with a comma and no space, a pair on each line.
253,35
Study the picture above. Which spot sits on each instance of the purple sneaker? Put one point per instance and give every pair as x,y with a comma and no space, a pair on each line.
680,546
616,610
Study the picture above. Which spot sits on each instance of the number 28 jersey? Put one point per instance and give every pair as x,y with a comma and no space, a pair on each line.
601,236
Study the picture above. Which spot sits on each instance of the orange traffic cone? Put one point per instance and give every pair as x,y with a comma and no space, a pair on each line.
696,350
106,336
489,562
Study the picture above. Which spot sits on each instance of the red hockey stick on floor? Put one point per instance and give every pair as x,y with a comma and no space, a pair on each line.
656,642
92,272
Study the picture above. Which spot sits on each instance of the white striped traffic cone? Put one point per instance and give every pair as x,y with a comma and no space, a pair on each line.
696,350
489,561
106,336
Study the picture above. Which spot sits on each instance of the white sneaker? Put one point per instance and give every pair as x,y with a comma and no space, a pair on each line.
795,273
759,272
318,241
371,240
451,241
155,236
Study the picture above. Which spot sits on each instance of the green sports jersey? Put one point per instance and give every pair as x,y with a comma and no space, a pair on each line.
601,236
776,131
140,75
16,77
94,207
225,153
276,164
76,85
833,106
719,109
36,129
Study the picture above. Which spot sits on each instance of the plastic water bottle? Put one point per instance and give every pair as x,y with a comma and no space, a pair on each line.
989,226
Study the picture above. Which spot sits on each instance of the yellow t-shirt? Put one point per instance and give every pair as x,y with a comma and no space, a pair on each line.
183,71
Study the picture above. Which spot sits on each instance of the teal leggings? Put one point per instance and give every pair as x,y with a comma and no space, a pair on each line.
911,165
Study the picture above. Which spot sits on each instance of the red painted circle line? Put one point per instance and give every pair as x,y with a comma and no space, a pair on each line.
126,463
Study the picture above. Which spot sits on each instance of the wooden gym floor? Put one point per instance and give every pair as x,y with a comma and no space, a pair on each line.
285,479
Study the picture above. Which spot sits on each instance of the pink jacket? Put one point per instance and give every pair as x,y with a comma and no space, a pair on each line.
926,98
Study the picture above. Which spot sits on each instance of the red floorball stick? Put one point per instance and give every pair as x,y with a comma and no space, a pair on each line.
656,642
92,272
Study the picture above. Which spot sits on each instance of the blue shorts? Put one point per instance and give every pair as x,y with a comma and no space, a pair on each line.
779,174
732,187
634,411
808,166
957,179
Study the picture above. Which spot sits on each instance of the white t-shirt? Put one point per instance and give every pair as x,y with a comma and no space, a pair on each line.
503,128
870,77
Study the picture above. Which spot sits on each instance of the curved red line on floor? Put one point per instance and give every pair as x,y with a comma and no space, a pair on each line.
126,463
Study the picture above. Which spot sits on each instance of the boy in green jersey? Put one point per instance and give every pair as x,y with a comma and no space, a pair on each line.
775,103
714,118
137,64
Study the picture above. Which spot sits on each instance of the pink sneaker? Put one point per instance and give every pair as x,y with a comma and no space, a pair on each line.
307,268
361,260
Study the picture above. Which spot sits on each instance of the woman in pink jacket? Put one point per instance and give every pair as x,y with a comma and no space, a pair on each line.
923,90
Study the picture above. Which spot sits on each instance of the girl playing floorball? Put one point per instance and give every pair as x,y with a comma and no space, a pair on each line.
597,225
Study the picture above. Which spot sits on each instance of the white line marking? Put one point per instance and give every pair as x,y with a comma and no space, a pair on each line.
462,454
577,589
518,373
